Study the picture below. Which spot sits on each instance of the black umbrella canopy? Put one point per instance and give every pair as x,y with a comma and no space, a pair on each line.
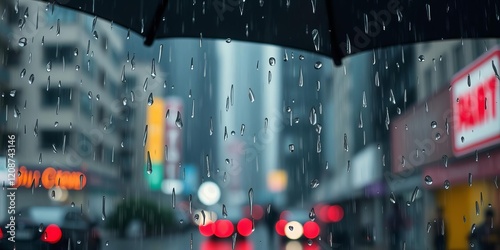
333,28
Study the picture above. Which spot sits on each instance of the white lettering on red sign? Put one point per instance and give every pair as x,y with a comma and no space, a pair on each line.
475,103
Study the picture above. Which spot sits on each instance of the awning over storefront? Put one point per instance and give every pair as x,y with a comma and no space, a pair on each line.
457,172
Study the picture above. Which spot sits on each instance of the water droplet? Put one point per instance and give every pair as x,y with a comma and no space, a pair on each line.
313,117
272,61
428,180
228,40
123,77
346,145
31,80
477,208
314,183
433,124
153,69
318,65
149,165
178,120
301,78
22,41
392,198
445,160
312,214
150,99
415,193
438,136
421,58
495,69
377,79
446,184
23,73
145,136
251,95
316,39
470,180
364,105
291,147
242,129
224,211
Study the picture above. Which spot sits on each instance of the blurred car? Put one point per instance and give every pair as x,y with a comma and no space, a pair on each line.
50,227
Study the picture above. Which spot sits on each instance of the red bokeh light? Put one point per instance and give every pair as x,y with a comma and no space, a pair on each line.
257,212
311,230
223,228
245,227
284,215
322,212
241,244
335,213
207,230
52,234
280,227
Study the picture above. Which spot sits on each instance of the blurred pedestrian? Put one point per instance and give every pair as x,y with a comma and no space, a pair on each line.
486,236
397,224
440,231
272,216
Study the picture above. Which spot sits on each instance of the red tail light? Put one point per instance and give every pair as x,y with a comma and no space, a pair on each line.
52,234
207,230
245,227
280,227
311,230
223,228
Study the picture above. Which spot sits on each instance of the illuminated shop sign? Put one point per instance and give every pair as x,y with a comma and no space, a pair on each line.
475,93
49,178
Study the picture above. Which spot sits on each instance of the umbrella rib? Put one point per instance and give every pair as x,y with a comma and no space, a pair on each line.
153,27
336,53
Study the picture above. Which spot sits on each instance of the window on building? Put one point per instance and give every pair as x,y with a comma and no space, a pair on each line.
53,96
57,139
59,54
85,104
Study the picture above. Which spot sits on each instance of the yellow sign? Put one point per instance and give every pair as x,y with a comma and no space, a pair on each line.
155,122
277,181
50,178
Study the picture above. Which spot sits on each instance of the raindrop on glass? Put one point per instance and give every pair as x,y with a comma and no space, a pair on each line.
428,180
22,41
31,79
178,120
314,183
150,99
318,65
272,61
433,124
446,184
251,95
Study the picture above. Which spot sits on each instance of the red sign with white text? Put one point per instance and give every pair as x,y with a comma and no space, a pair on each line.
475,104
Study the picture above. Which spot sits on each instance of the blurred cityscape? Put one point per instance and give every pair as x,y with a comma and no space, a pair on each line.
201,124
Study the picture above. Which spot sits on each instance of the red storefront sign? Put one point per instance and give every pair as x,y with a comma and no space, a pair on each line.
475,105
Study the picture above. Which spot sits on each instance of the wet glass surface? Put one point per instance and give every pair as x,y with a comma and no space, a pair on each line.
200,143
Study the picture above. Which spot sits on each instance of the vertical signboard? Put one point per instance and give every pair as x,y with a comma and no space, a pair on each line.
154,144
173,145
475,92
